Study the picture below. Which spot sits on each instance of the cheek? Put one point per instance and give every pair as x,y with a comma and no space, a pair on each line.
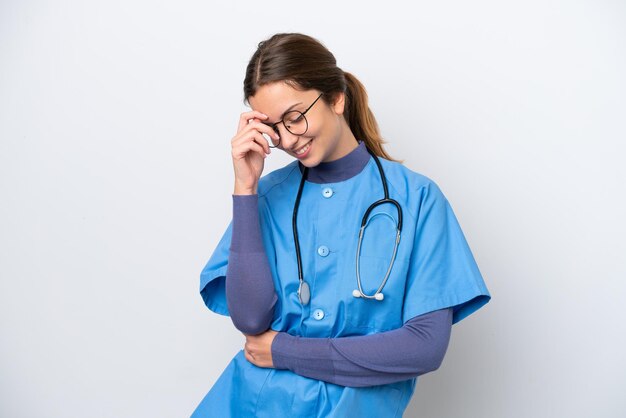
326,129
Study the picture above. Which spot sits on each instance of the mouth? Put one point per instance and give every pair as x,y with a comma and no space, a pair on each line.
303,151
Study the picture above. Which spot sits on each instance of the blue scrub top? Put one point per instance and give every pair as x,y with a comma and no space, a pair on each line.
434,269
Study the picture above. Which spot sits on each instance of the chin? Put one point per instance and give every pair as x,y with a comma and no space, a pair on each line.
310,163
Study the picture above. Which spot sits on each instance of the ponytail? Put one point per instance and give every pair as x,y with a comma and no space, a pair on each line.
361,119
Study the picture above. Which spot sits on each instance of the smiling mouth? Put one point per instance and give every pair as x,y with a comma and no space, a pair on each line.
303,149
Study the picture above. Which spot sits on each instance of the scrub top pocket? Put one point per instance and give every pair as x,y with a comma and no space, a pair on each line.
287,394
371,315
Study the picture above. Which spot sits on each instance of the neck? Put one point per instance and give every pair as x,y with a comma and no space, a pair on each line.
340,169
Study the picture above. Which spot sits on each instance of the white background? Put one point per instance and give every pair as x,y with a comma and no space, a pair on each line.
116,181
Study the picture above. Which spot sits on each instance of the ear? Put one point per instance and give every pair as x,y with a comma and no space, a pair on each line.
339,103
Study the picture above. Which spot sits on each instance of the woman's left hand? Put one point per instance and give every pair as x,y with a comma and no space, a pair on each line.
258,349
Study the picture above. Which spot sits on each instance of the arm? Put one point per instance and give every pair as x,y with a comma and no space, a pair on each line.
250,292
416,348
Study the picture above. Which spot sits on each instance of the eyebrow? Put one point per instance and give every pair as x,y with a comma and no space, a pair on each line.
283,115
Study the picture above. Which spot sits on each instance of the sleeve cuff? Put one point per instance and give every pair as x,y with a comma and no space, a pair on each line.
306,356
246,224
280,350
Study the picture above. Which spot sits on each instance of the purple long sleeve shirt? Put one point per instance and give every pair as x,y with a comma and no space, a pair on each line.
415,348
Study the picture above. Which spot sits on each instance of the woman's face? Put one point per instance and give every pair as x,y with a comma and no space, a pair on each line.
328,136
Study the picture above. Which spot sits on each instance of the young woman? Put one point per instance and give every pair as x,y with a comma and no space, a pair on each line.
344,269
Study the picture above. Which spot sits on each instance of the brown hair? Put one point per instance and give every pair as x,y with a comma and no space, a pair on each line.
304,63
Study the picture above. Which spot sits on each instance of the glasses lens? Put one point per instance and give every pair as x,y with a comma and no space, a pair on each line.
273,142
295,122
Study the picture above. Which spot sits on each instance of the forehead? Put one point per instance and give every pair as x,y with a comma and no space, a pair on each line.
275,98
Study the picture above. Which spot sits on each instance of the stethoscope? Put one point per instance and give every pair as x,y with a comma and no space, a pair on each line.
304,291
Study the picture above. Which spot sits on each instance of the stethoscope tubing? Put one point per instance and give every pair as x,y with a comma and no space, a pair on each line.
304,292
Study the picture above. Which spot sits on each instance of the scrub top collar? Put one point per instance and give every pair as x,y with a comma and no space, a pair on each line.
341,169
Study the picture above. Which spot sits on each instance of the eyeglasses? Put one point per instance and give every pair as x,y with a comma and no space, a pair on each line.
294,121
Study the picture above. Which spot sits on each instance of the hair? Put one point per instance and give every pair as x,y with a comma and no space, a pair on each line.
304,63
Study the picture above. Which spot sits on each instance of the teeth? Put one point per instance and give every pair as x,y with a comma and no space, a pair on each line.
303,149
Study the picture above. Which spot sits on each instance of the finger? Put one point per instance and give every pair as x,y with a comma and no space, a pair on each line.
259,127
265,128
245,117
254,147
253,142
260,139
263,143
250,135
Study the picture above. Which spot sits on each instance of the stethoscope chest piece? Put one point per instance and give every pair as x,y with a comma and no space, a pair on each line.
304,293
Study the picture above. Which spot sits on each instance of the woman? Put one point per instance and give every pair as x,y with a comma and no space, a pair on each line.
338,322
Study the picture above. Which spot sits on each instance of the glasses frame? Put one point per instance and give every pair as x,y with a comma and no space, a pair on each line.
274,126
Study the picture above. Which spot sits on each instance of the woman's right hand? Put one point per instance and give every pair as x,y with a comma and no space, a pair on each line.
249,149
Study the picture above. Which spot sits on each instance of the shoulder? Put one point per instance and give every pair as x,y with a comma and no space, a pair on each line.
278,179
409,184
419,195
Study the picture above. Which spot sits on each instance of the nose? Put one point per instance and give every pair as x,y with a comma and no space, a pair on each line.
287,140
